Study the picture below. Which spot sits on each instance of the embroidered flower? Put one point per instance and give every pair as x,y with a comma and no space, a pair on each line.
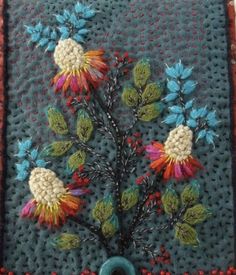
52,202
78,70
174,157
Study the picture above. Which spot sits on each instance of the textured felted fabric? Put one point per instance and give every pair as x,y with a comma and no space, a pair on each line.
164,32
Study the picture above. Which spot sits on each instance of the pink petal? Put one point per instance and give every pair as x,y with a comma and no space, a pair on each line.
61,82
28,209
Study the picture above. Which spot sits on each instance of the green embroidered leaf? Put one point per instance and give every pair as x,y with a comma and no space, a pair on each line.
190,194
57,148
150,111
196,214
130,97
170,201
151,93
130,198
142,73
56,121
66,241
186,234
103,209
76,160
84,126
110,226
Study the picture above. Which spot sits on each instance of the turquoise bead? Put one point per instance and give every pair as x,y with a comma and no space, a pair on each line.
117,263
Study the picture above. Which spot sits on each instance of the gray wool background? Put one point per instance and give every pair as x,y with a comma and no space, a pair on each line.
164,32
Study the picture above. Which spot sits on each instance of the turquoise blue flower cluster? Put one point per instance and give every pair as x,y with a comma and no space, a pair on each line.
201,120
69,25
29,157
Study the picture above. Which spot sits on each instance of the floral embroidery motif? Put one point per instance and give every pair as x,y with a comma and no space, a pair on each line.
52,202
91,84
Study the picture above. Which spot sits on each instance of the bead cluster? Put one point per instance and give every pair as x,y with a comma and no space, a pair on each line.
155,199
136,143
69,55
45,186
179,143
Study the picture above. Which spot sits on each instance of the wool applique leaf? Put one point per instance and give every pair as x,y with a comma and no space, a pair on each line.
196,214
152,92
141,73
103,209
170,201
150,111
190,194
57,148
110,226
186,234
130,97
84,128
130,198
76,160
56,121
66,241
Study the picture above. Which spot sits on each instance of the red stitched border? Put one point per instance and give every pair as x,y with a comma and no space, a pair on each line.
232,33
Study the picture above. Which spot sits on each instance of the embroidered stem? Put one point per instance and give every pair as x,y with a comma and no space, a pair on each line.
95,231
138,217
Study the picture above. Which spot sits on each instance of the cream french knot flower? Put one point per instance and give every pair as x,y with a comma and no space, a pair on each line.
52,201
79,70
174,157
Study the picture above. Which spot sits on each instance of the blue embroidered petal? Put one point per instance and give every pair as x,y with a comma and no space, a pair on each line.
60,18
88,13
176,109
24,145
34,154
170,71
186,73
83,31
30,29
170,97
202,112
41,163
201,134
21,176
63,30
51,46
19,167
39,27
173,86
66,14
53,35
189,86
211,119
35,37
192,123
43,42
189,104
46,31
194,114
180,120
25,164
179,68
73,20
79,8
78,38
171,119
210,137
81,23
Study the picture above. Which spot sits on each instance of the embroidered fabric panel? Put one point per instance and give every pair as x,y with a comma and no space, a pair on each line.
163,32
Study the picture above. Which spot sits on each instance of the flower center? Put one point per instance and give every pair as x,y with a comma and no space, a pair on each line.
45,186
179,143
69,55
